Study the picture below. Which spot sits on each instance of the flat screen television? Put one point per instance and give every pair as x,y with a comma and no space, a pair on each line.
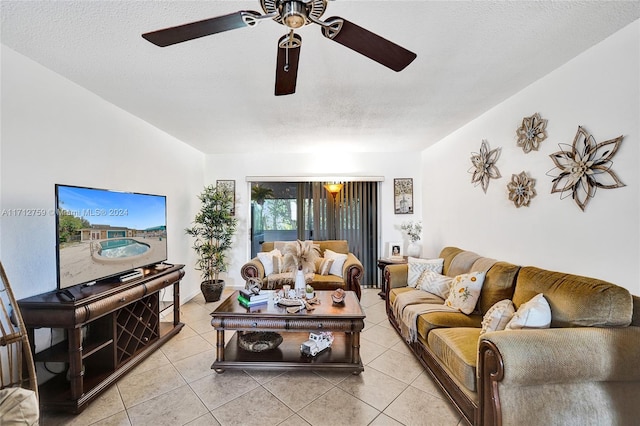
102,233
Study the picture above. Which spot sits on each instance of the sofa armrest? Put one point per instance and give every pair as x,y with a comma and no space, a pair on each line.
396,275
252,269
568,356
352,271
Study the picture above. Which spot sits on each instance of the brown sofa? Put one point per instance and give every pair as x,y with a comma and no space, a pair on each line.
584,369
351,271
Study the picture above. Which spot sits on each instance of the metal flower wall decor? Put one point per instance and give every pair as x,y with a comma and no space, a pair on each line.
532,131
521,189
584,167
484,166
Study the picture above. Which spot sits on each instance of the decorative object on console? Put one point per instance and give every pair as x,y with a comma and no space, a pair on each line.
532,131
300,257
309,292
583,167
338,296
259,341
229,186
317,343
394,250
484,165
213,229
403,195
253,285
521,189
413,230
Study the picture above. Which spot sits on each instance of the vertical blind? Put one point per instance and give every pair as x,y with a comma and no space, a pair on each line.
352,217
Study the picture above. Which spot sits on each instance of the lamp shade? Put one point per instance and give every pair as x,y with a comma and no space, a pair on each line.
333,188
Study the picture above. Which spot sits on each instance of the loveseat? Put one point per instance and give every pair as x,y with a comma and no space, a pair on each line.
345,272
582,370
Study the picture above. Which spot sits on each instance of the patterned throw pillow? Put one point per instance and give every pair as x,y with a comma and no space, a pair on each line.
498,316
465,291
278,264
434,283
323,266
536,313
417,266
338,261
266,258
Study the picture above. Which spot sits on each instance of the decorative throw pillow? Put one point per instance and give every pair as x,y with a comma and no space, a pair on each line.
536,313
266,258
417,266
465,291
434,283
498,316
323,266
338,261
278,264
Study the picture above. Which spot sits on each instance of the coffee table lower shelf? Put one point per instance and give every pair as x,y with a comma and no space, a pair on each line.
287,356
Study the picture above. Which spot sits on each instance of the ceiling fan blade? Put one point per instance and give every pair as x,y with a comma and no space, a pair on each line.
367,43
193,30
287,64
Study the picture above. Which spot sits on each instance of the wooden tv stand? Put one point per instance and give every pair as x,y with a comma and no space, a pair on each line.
110,328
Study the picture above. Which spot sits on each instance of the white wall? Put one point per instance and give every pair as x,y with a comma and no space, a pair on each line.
388,165
54,131
598,90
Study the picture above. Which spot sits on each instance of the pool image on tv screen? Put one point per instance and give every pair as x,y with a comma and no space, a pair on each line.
102,233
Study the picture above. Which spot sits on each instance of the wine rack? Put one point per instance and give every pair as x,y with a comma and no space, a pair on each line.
109,328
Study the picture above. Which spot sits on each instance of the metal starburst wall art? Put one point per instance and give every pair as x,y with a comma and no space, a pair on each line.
532,131
584,167
521,189
484,166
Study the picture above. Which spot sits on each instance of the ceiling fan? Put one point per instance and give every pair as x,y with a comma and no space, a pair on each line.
293,14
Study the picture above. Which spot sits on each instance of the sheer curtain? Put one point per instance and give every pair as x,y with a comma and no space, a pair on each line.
353,216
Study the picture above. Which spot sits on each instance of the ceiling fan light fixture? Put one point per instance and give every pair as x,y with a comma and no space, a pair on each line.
294,14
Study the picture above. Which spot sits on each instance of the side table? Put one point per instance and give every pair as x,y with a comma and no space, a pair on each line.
382,263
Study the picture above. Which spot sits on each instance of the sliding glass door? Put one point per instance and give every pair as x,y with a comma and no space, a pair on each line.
286,211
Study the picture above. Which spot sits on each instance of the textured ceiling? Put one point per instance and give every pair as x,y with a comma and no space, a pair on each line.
216,93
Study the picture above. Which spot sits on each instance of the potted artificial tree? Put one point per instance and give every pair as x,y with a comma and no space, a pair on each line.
213,229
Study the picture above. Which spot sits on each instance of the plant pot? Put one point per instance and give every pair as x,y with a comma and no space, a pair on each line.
212,290
413,250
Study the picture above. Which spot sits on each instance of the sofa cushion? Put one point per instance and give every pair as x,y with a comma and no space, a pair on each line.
462,263
575,301
499,284
323,266
418,266
434,283
266,258
338,261
432,320
533,314
498,316
448,253
327,282
465,291
394,292
457,349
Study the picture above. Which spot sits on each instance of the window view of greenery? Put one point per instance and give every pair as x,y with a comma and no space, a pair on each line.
277,210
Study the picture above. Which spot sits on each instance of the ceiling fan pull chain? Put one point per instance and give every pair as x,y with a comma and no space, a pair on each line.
289,44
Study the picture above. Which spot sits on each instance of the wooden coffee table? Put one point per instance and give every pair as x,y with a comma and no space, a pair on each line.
345,320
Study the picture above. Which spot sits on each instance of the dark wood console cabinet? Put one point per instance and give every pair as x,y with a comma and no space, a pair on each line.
110,328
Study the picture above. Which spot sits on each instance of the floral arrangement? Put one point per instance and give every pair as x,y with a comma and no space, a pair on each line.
301,255
413,230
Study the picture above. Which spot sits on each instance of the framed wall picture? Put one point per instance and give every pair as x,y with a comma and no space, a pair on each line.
230,187
394,250
403,195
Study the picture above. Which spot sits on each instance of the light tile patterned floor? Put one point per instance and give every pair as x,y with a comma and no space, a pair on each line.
176,386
